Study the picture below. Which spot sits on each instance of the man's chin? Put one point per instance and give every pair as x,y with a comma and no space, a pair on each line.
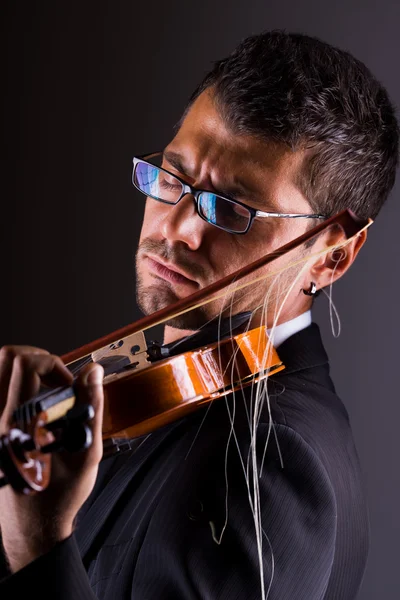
154,298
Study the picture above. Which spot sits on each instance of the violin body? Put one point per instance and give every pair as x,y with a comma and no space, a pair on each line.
139,402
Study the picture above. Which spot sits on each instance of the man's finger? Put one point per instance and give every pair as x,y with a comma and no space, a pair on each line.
7,356
27,372
89,386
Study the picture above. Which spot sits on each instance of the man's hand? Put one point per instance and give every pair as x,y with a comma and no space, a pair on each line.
32,525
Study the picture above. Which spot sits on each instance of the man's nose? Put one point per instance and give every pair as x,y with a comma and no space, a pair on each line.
182,223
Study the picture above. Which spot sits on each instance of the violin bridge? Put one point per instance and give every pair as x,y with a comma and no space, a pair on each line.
132,347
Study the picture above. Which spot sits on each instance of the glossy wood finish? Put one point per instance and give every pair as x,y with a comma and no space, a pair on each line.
139,402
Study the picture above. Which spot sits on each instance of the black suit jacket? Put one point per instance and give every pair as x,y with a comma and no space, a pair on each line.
172,519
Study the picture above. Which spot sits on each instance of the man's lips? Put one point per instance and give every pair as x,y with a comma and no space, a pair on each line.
168,272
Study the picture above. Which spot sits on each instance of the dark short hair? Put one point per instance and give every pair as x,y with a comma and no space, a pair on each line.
299,91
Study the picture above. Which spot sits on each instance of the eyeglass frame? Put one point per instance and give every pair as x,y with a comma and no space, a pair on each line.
195,192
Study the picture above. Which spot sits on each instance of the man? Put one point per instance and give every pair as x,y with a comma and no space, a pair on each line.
286,125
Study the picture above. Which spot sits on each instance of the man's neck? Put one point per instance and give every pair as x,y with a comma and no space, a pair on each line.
172,334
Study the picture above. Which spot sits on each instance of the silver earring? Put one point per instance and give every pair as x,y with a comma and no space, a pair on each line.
312,291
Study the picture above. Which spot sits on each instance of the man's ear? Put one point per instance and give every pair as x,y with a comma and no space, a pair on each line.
332,266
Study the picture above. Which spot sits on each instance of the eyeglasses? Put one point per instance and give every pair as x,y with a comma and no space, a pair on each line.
225,213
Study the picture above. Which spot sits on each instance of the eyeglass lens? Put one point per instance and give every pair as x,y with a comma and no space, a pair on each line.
219,211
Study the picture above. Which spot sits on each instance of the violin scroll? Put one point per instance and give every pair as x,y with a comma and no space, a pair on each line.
25,458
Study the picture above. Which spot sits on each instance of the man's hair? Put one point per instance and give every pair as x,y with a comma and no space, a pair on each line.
299,91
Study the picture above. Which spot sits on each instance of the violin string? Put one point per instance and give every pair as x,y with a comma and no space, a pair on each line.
260,398
231,414
77,368
253,486
332,308
231,433
252,490
255,413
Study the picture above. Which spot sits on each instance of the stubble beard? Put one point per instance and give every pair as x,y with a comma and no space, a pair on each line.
154,297
160,294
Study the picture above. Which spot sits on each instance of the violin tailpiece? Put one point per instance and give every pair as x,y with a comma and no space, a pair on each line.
132,347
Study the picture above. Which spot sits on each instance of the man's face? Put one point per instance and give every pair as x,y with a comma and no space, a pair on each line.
179,253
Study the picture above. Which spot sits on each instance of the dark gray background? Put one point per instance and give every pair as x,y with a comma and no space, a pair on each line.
88,86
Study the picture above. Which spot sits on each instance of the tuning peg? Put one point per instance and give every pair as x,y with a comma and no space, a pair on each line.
79,413
72,432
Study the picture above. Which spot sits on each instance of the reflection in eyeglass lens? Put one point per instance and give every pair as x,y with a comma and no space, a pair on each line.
223,213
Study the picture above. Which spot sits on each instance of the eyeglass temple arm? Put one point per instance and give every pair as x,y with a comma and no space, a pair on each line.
260,213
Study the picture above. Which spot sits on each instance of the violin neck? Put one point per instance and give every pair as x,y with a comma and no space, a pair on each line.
55,403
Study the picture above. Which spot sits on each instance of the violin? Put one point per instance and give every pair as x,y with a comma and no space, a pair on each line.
144,389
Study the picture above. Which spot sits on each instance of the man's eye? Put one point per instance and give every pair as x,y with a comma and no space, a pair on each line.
167,185
168,182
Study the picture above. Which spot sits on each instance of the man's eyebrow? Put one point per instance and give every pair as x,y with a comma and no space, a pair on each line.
176,160
230,190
